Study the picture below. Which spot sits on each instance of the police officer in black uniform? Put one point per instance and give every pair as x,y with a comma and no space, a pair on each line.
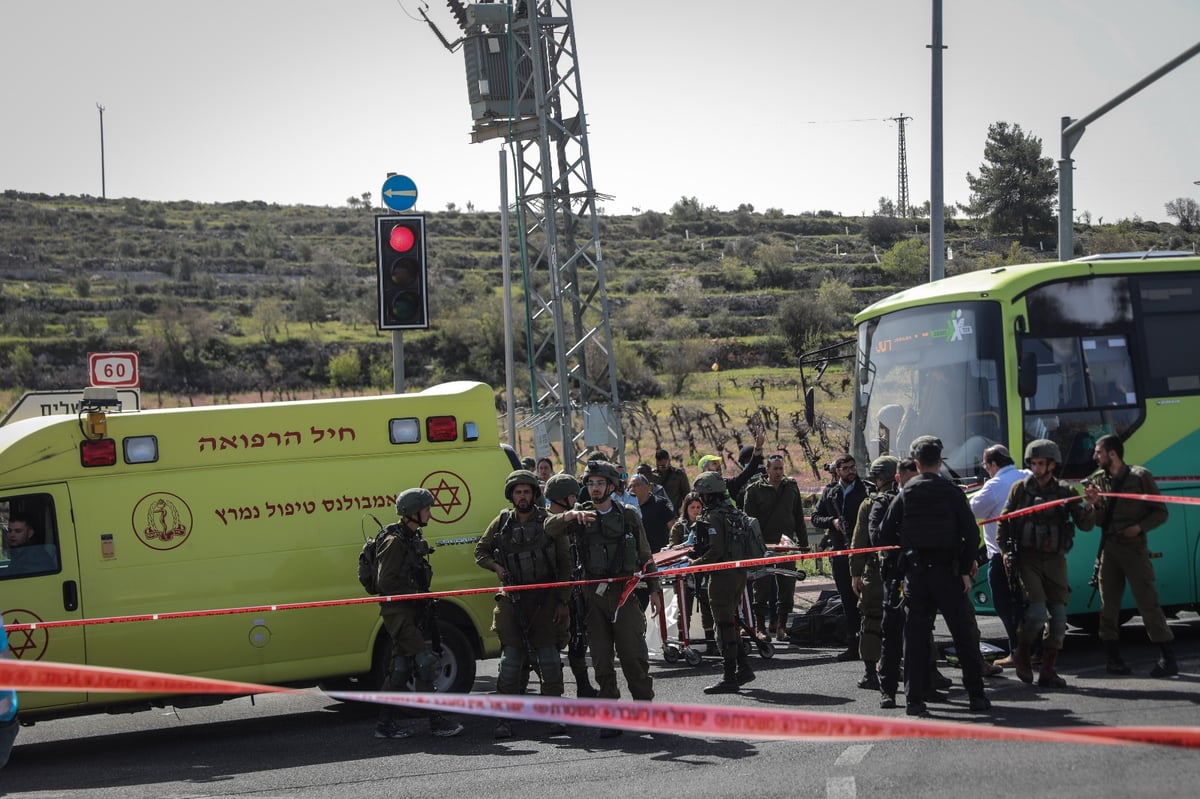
933,525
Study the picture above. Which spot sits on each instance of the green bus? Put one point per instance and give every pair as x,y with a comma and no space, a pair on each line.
1068,351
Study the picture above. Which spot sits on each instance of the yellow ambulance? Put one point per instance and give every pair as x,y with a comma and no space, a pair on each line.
116,514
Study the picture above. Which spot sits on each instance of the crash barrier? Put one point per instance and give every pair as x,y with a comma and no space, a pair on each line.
702,721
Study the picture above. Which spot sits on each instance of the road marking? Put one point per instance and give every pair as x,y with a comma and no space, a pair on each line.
853,755
841,788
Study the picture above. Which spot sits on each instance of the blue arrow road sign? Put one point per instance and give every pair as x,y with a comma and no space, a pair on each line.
399,193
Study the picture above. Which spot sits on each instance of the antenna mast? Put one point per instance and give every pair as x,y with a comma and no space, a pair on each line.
902,171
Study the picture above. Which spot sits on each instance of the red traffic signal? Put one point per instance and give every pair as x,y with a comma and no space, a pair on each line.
403,298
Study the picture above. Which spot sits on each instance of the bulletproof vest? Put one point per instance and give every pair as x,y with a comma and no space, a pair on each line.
403,561
879,505
1049,530
525,550
928,522
608,546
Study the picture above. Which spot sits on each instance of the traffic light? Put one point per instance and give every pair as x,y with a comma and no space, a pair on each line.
403,297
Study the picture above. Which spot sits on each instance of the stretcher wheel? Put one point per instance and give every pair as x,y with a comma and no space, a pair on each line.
766,649
670,653
693,657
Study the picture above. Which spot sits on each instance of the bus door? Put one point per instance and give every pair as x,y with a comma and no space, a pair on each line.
39,582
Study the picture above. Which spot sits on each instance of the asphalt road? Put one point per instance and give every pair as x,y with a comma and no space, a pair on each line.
295,746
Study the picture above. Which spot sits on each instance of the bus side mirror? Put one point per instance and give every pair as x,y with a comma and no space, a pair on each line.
810,413
1027,376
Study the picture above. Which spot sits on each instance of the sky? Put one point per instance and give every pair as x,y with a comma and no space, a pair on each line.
776,103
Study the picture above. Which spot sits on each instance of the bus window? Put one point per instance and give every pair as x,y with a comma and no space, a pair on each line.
1170,319
30,537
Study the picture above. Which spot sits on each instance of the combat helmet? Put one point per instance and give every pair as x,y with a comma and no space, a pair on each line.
521,477
1042,448
603,469
885,467
562,488
411,500
709,483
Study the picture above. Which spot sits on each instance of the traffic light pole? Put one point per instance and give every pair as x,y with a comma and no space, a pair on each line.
397,361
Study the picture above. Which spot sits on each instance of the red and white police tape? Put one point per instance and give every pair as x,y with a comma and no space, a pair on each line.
1165,498
703,721
187,614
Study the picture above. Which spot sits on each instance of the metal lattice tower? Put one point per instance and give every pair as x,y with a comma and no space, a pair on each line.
902,171
569,337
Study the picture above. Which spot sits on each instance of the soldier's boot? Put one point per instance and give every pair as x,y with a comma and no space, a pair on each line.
1114,663
1166,665
745,674
728,683
851,652
1047,676
583,686
1021,662
870,678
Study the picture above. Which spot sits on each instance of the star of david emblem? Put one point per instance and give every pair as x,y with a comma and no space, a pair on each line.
451,496
26,644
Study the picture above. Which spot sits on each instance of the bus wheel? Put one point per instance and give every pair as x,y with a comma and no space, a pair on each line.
1090,622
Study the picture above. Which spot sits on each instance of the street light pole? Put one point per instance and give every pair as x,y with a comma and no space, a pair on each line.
103,192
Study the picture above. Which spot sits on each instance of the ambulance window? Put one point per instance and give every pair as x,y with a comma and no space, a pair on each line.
141,449
404,431
30,544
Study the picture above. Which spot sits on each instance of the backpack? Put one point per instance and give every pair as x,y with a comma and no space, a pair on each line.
745,537
823,623
368,561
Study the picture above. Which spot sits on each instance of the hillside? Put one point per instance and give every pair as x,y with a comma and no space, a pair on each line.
246,297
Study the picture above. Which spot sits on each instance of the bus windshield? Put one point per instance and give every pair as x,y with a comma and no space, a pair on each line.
934,370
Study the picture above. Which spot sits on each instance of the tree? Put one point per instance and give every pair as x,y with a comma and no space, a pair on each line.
1186,210
906,263
650,224
345,369
1016,186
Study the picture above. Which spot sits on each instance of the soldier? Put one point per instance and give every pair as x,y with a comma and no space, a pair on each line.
933,525
864,569
529,623
717,532
1125,556
775,501
835,513
561,491
892,625
1036,545
684,533
403,568
674,481
612,544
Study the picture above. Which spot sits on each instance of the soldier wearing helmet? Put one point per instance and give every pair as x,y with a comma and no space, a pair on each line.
518,549
562,490
715,544
865,573
1036,545
403,568
610,544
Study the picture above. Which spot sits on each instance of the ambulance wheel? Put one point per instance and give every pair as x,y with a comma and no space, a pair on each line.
693,657
766,649
671,653
456,672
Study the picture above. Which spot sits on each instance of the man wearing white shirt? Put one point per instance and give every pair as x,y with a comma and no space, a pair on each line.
987,503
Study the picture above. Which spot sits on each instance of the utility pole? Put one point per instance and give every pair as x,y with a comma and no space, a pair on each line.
937,201
103,189
902,171
524,86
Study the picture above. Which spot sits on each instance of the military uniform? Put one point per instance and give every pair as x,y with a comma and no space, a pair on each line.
841,502
1040,542
524,620
932,523
674,482
614,545
1128,559
866,567
779,511
402,567
716,544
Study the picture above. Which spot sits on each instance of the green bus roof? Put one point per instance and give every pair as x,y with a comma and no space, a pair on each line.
1010,282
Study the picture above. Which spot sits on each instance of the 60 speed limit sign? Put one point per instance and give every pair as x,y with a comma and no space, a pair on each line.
113,369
